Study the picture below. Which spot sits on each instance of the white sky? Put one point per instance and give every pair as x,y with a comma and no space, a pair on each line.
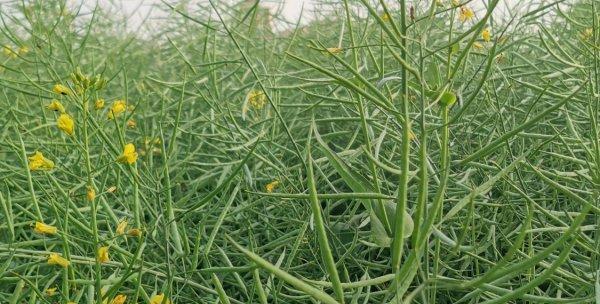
137,10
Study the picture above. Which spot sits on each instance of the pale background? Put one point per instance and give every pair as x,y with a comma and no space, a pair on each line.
135,11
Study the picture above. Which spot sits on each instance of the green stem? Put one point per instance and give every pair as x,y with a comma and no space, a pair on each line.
398,240
324,246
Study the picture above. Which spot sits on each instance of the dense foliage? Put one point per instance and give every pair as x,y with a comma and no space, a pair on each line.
385,152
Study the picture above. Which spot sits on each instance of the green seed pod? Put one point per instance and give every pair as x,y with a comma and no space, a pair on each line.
73,78
78,75
455,48
447,99
85,82
100,83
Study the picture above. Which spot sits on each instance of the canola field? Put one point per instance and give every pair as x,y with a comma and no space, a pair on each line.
406,151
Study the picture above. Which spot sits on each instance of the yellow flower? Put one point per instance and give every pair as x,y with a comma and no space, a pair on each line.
411,135
50,291
66,123
129,155
466,14
55,259
8,51
90,194
121,227
102,255
271,186
119,299
486,35
158,299
99,104
257,99
23,50
38,162
118,107
61,89
131,123
42,228
587,33
134,232
385,17
334,50
55,105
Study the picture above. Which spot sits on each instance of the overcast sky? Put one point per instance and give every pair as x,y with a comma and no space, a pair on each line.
137,10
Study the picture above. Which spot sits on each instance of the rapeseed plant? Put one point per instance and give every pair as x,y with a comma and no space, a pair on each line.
466,14
102,255
424,160
61,90
118,107
129,155
55,105
38,162
121,227
56,259
159,299
42,228
65,123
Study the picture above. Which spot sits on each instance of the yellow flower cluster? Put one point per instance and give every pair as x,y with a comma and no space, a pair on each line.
118,108
56,259
42,228
159,299
9,52
466,14
14,53
62,90
66,123
119,299
55,105
121,227
257,99
99,104
486,35
270,187
90,194
38,162
129,155
102,255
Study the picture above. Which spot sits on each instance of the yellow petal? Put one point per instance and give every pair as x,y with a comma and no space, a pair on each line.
55,105
42,228
129,155
119,299
121,227
134,232
50,291
91,194
61,89
66,123
158,299
99,104
102,256
271,186
38,162
55,259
